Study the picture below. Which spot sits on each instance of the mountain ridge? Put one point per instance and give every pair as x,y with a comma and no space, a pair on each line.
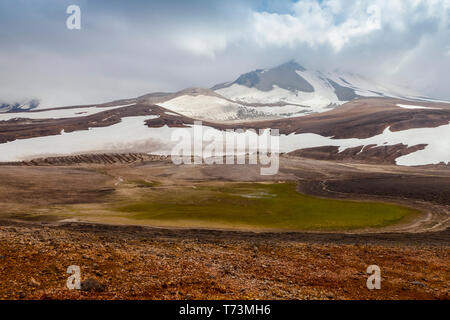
28,105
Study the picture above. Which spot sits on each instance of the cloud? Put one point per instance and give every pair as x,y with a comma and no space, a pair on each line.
202,45
339,23
126,49
315,24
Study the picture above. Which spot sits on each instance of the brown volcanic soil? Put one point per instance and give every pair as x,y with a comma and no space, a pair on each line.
436,189
361,118
145,263
47,186
23,128
40,184
94,158
366,154
154,263
368,117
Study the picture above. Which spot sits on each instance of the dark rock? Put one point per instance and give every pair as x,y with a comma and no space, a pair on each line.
34,283
92,285
418,283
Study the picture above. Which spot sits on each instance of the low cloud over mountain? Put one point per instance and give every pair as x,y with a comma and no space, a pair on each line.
128,49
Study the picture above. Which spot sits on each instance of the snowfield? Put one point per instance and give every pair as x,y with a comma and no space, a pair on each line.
323,94
367,88
58,114
203,107
436,151
218,109
131,135
244,94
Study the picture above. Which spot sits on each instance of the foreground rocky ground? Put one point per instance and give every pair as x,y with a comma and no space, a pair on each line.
129,262
125,262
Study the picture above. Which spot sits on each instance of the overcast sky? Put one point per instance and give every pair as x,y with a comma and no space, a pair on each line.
129,48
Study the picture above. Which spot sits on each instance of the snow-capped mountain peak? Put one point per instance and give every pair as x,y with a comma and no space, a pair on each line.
19,106
288,90
284,76
291,83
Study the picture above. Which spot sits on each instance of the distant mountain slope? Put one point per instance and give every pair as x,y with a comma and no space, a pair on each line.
370,130
372,124
18,106
283,76
205,104
290,83
286,91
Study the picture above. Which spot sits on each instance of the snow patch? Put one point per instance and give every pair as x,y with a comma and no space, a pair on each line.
132,133
60,113
124,135
283,111
171,113
203,107
408,106
240,93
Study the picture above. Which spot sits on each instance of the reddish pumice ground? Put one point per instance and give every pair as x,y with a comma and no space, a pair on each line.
142,262
147,263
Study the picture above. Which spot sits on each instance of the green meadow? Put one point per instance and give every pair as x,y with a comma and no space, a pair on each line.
255,205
